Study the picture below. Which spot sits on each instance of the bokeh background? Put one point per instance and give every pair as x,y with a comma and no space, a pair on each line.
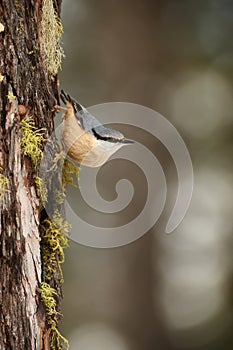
163,291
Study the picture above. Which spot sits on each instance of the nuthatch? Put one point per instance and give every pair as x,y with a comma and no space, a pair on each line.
84,138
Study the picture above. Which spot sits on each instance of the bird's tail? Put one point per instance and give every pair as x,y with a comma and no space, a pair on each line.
127,141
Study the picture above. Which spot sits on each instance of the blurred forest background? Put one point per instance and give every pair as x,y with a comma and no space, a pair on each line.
165,292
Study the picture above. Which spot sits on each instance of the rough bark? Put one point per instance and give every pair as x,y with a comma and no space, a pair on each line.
24,76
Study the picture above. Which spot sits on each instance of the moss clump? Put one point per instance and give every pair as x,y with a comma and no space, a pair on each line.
33,51
59,197
3,185
52,29
11,97
41,190
69,173
53,243
48,295
32,140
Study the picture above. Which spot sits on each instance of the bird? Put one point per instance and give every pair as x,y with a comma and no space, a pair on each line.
84,138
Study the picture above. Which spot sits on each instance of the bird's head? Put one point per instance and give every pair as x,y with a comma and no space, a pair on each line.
68,100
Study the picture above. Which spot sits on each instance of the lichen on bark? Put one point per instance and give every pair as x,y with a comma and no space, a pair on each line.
25,82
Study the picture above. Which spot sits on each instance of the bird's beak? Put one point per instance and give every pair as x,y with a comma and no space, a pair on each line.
65,97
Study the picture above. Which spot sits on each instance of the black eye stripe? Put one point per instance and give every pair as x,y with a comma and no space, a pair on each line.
105,138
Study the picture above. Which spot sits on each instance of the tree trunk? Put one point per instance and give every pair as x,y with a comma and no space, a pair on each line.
28,89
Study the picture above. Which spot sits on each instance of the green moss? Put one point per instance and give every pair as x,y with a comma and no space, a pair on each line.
3,185
59,197
41,190
17,4
48,296
11,97
32,140
69,173
20,28
33,51
53,243
52,29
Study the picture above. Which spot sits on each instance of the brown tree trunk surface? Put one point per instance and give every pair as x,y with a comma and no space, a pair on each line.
24,81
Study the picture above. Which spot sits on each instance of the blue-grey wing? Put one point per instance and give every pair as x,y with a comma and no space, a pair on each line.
87,120
90,124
